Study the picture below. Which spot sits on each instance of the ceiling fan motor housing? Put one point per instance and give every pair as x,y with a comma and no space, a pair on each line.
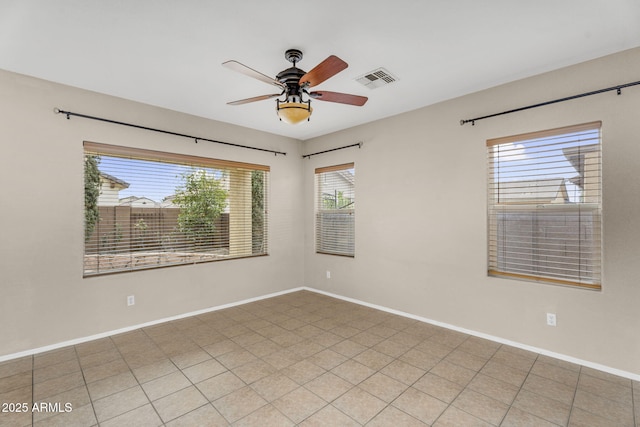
291,79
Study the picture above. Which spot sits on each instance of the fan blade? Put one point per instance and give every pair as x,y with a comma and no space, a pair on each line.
254,99
342,98
247,71
324,70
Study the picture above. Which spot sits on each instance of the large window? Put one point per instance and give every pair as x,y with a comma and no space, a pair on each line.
148,209
545,206
335,210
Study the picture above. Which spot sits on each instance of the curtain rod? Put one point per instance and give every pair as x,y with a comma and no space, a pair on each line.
359,145
195,138
618,89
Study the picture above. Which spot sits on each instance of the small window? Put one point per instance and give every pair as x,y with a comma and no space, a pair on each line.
147,209
335,210
545,206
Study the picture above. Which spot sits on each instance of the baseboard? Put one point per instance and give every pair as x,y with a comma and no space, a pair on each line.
138,326
542,351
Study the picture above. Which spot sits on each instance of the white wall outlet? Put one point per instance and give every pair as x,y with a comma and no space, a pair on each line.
551,319
131,300
328,274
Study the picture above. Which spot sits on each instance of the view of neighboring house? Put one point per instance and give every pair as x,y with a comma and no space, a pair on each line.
542,191
585,161
110,188
138,202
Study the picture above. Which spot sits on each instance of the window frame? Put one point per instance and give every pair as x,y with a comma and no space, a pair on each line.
194,162
326,245
591,211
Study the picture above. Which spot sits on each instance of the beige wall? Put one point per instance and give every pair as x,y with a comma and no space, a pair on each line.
44,300
427,255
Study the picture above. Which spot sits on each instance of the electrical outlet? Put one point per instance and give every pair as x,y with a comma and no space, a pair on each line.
131,300
328,274
551,319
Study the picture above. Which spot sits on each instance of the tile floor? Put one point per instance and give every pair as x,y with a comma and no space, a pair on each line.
311,360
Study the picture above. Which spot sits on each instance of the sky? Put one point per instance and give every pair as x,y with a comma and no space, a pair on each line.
153,180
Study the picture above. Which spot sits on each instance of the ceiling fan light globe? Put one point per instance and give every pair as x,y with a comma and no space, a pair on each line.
294,112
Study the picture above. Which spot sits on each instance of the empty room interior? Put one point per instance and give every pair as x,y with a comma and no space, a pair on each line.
181,242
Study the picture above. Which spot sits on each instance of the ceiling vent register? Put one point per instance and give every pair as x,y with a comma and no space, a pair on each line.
377,78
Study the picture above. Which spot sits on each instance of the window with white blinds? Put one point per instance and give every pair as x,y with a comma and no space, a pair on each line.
148,209
545,206
335,210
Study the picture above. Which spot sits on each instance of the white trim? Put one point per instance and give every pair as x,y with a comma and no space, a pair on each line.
544,352
141,325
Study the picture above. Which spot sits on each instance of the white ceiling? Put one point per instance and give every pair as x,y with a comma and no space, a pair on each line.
169,52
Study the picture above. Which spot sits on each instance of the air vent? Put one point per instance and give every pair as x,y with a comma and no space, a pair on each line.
376,78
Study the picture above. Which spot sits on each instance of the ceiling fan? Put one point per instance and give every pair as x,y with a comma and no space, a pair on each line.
294,85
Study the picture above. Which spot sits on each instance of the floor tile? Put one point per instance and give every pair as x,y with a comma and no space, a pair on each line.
267,416
216,387
16,366
119,403
420,359
519,418
57,385
454,417
329,416
454,373
110,385
239,404
328,386
353,371
204,416
274,386
281,359
494,388
166,385
438,387
582,418
203,370
604,407
254,371
549,388
383,387
607,389
504,373
143,416
303,371
359,405
179,403
79,416
391,416
420,405
481,406
542,407
373,359
154,370
299,404
328,359
402,372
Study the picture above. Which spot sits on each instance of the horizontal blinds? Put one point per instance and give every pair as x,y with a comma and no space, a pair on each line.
148,209
335,210
545,209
